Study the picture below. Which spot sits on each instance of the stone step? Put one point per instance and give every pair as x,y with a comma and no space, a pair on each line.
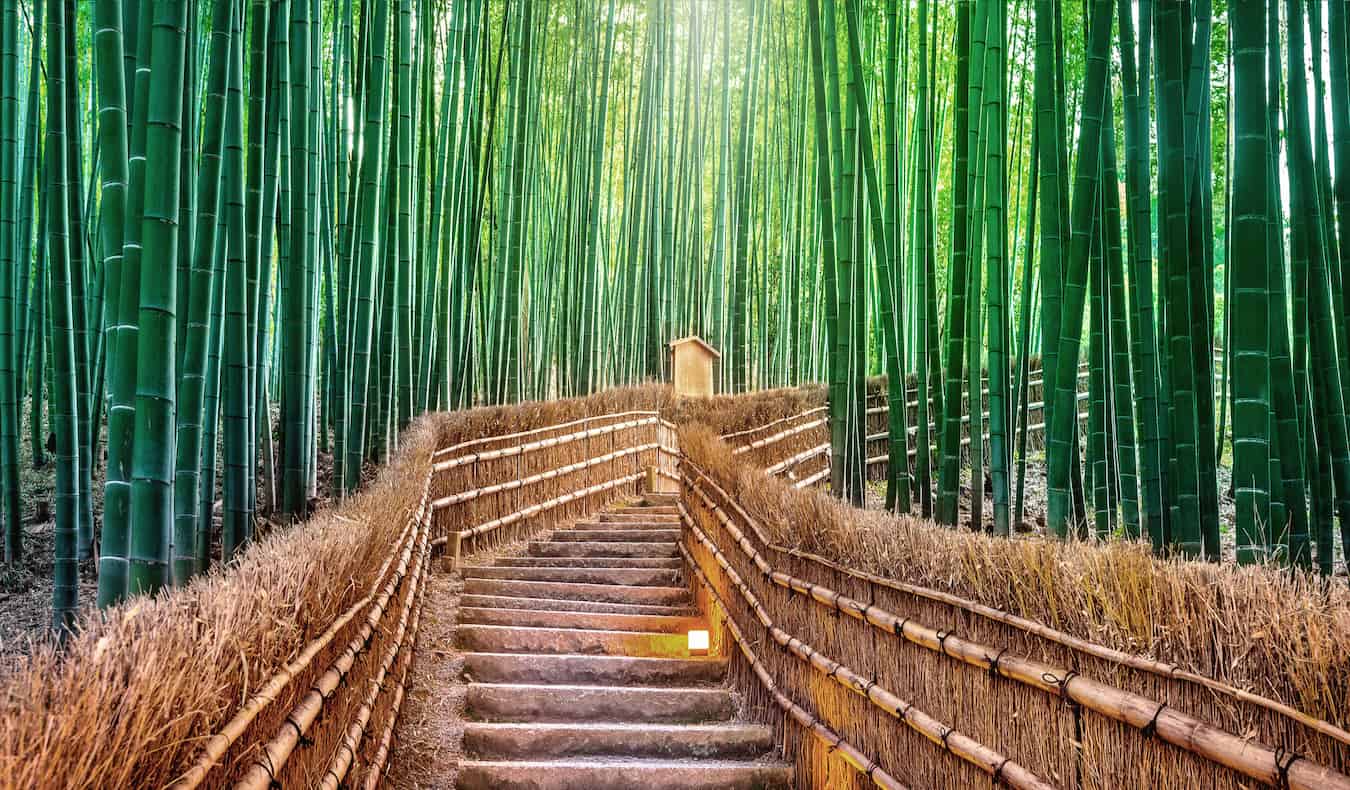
642,535
668,508
539,639
604,593
600,621
659,499
672,563
510,702
592,524
621,774
490,740
639,515
562,605
575,669
649,577
603,549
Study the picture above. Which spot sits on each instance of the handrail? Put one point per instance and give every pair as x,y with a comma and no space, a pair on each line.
1190,734
444,451
540,444
954,741
860,762
521,482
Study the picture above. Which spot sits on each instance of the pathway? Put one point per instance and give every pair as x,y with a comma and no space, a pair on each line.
580,674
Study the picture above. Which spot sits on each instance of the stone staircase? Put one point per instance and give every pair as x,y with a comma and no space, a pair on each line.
580,674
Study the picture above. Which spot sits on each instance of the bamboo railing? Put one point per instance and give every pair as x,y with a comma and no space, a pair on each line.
798,446
347,683
1060,724
544,476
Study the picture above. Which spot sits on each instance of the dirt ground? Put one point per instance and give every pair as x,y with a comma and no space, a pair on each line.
428,737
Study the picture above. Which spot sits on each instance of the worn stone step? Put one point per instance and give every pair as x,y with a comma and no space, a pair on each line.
600,621
650,577
535,741
577,669
641,535
603,549
672,563
564,605
646,515
594,524
604,593
659,499
512,702
589,641
621,774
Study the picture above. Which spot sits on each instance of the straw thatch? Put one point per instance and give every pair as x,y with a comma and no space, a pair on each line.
139,691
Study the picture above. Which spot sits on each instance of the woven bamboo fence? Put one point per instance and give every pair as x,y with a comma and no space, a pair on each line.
920,688
500,488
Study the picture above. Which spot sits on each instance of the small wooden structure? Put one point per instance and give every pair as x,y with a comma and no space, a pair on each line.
693,366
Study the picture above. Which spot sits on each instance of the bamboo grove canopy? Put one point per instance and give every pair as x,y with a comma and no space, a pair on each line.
237,235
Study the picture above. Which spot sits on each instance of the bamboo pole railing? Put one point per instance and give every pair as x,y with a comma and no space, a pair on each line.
865,765
654,435
948,738
1151,666
219,744
1238,753
455,448
273,756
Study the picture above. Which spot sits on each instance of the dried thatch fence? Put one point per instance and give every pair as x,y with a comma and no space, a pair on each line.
946,659
797,446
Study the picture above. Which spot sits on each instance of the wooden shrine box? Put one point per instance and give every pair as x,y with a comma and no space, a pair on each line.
693,366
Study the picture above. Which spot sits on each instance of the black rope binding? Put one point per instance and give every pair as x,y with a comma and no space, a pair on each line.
1063,683
993,665
947,746
942,642
1150,730
272,783
1282,766
900,627
998,771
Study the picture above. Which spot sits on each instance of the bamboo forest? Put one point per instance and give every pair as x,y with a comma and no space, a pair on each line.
515,393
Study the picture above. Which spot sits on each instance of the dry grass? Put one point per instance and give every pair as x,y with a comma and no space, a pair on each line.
1284,636
129,701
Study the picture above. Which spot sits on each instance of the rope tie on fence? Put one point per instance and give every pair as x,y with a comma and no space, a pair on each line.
872,767
1063,683
900,627
266,763
945,735
1282,765
998,771
993,665
942,642
1150,730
